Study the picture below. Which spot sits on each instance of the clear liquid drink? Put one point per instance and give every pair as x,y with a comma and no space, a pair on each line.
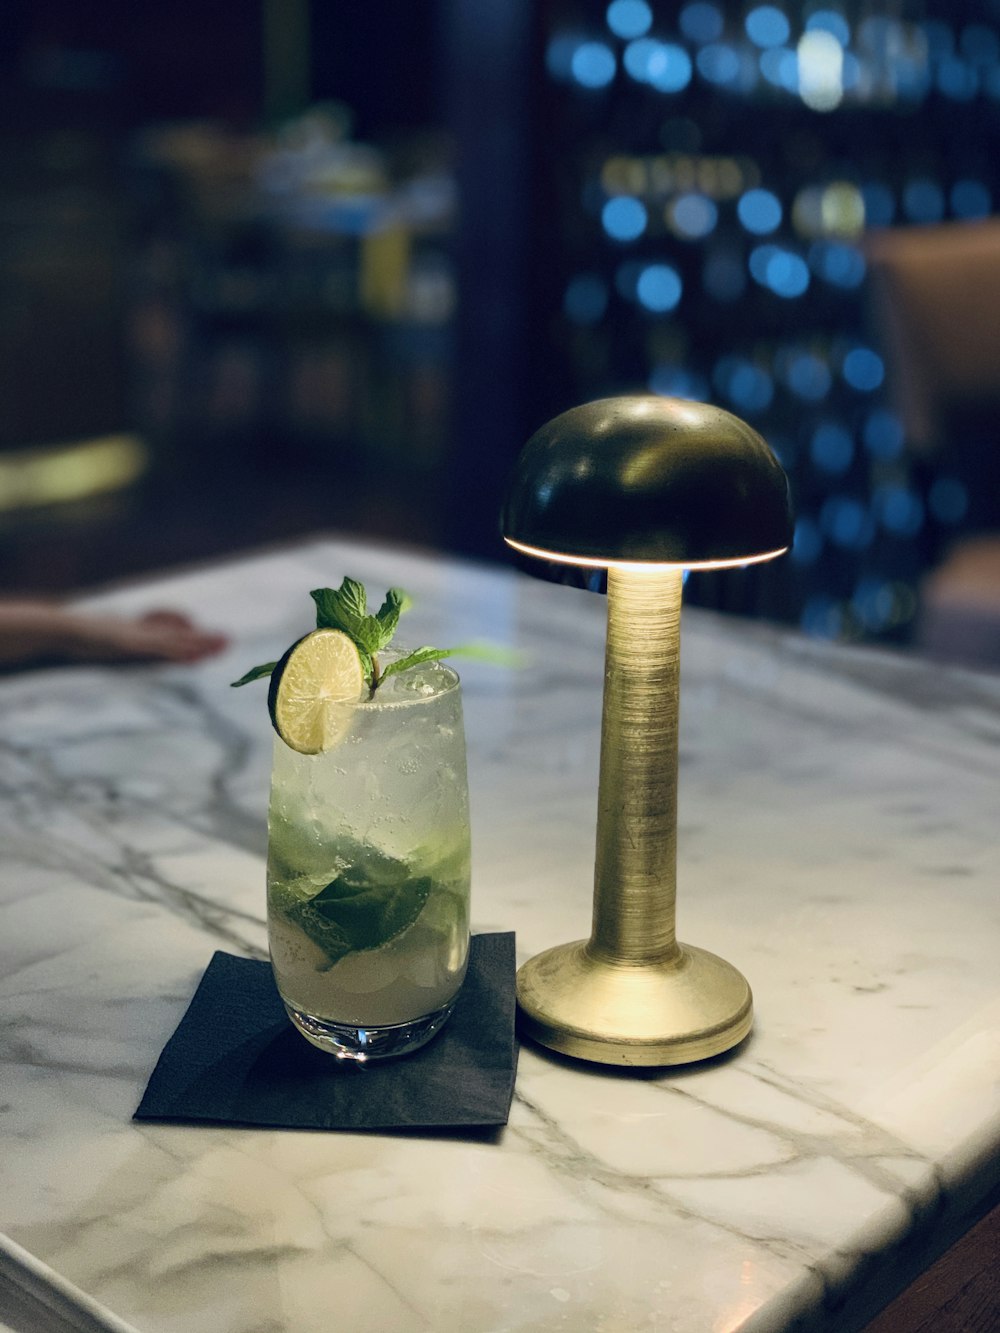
368,870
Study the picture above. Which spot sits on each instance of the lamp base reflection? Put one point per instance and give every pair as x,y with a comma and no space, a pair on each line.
689,1006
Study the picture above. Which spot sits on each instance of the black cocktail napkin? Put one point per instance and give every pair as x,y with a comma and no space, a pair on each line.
236,1059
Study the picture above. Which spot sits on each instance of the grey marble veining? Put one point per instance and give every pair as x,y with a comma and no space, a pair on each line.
838,842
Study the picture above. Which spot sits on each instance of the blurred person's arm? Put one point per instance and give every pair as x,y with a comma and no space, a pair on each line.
51,631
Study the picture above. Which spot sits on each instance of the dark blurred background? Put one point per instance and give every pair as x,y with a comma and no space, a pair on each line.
268,268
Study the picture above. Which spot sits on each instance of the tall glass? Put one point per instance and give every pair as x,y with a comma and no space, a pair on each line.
368,870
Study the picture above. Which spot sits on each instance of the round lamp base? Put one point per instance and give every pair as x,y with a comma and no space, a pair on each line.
689,1007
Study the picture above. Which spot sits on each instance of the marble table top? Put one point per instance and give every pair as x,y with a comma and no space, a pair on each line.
838,841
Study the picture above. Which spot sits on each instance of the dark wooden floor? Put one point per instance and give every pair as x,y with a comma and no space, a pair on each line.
958,1294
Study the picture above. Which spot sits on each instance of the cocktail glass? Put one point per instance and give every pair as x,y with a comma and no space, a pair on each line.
368,870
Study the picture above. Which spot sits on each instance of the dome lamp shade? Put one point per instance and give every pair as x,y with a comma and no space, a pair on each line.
651,481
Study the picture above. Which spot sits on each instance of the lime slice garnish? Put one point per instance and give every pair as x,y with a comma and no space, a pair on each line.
312,690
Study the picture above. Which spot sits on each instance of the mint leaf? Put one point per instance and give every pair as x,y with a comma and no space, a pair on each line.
368,914
341,608
365,906
351,596
485,652
414,659
345,608
255,673
396,602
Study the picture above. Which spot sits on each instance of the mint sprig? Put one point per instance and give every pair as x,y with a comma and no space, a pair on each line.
346,609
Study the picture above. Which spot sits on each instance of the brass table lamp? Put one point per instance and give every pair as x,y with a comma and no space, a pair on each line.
644,487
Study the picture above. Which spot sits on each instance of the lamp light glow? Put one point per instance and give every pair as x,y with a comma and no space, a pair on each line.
644,487
591,562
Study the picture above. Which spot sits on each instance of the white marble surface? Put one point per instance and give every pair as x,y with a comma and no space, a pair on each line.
838,842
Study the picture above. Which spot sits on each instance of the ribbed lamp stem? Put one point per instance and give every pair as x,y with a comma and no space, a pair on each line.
635,880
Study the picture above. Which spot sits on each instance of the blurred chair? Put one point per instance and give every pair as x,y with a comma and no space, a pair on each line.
935,302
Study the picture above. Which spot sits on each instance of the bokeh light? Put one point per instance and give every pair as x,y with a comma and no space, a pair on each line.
847,522
622,174
842,208
746,386
807,544
970,199
670,68
899,510
839,264
629,18
692,216
559,55
637,57
808,376
766,25
759,211
780,67
719,63
821,70
807,211
659,288
831,21
863,369
957,79
879,202
663,65
923,200
838,210
832,448
624,218
593,65
702,22
782,271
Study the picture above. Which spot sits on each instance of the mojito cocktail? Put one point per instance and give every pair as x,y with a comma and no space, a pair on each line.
368,869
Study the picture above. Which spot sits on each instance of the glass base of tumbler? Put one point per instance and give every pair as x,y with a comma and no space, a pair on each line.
360,1044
